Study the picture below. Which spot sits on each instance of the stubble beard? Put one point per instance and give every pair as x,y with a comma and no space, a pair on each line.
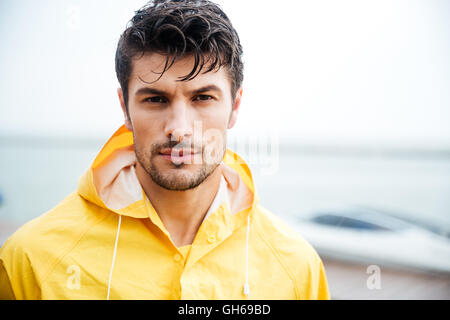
181,180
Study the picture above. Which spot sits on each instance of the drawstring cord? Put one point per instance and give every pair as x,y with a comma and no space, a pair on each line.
114,257
246,285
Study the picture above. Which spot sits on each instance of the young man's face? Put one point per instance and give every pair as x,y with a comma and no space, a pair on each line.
167,116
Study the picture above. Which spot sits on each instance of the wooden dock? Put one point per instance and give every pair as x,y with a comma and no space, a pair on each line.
348,281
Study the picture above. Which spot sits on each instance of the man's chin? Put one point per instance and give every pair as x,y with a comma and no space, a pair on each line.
180,177
176,182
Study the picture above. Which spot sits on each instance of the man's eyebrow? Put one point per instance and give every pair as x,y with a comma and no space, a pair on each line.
207,88
147,90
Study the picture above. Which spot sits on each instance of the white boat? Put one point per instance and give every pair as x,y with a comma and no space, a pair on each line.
372,236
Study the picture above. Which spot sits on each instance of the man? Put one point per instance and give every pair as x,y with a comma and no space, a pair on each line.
166,211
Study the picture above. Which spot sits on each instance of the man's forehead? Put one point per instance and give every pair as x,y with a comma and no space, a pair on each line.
147,69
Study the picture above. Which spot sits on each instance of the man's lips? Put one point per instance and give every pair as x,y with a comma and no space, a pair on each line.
179,155
178,152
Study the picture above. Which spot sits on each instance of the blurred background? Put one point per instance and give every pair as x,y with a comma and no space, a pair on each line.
344,122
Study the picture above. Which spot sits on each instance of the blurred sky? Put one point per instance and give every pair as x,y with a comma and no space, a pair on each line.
335,71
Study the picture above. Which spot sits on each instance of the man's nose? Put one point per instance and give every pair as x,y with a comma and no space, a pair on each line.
179,123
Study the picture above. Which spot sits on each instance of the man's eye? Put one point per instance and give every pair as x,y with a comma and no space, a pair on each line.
156,100
203,97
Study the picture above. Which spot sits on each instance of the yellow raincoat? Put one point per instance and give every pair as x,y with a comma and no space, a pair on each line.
106,241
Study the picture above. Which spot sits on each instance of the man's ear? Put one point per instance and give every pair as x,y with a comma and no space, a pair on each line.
235,109
124,110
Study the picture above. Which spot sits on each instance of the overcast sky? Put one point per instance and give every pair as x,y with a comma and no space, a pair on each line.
333,71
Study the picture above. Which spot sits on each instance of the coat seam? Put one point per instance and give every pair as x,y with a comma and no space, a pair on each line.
70,248
276,254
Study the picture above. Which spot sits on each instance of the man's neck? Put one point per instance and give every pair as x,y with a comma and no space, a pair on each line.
181,212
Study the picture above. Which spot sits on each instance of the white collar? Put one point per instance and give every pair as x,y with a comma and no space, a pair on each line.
221,197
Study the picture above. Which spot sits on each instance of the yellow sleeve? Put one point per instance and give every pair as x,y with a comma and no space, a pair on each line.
323,292
6,292
312,280
17,279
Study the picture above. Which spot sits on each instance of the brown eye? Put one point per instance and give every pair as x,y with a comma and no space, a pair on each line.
202,97
156,100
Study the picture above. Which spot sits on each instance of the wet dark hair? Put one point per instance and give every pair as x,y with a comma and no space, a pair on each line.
177,28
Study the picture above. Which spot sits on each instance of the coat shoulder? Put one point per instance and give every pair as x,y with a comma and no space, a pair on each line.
282,236
45,238
294,251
